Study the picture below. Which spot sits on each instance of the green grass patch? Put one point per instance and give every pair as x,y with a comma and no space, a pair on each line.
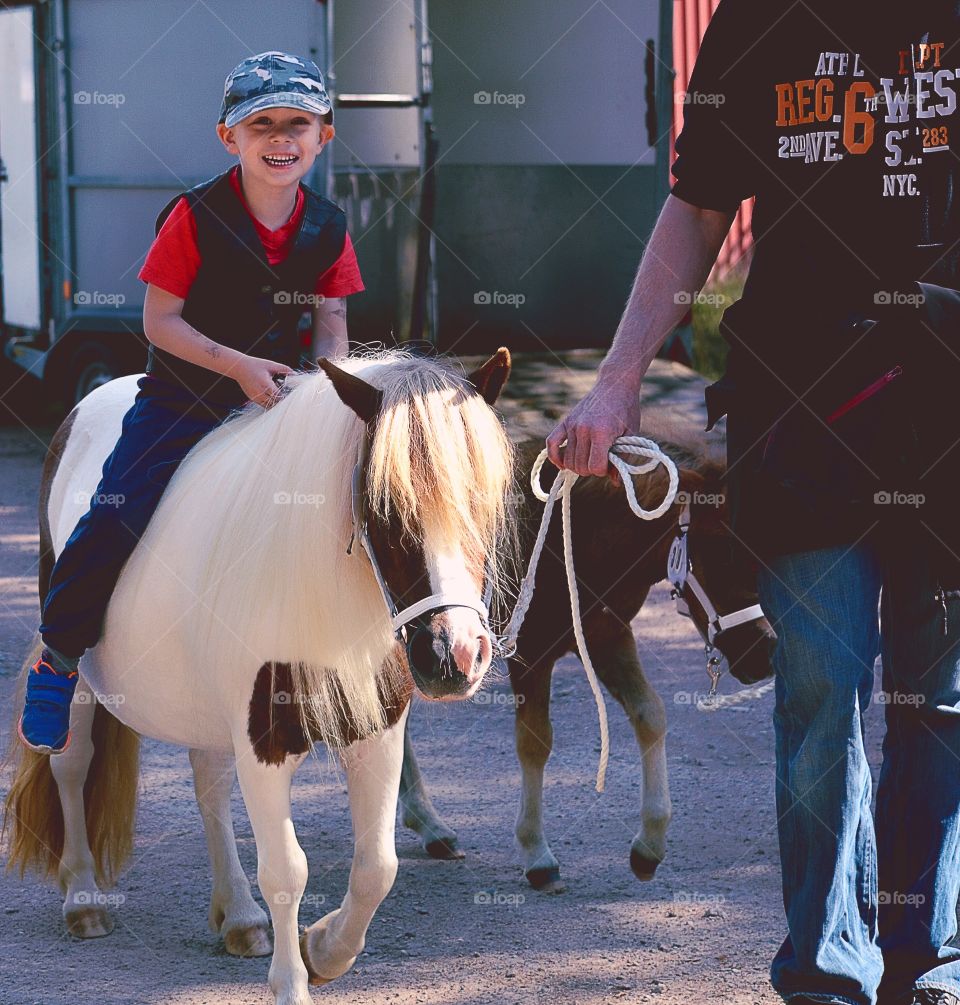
709,347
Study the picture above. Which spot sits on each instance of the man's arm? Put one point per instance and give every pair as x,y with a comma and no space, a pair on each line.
330,328
679,256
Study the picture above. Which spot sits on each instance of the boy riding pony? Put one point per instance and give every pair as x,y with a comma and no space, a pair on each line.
235,263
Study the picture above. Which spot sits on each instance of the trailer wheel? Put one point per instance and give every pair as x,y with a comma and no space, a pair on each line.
91,365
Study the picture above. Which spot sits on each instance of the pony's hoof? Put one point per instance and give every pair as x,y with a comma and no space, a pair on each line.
546,879
251,940
445,848
88,922
311,945
643,867
293,997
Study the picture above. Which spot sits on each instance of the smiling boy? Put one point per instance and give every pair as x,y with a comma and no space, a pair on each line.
238,259
235,264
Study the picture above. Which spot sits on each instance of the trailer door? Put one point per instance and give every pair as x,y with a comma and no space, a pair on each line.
19,216
144,86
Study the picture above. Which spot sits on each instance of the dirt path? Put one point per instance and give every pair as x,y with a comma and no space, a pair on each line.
703,930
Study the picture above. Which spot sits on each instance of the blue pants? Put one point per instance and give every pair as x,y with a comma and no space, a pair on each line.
158,431
870,902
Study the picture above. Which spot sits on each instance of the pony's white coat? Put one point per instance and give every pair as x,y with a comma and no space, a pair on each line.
245,560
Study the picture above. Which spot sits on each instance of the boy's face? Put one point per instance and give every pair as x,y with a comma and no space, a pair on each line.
278,145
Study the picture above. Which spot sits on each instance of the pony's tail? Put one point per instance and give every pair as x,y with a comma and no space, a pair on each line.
33,828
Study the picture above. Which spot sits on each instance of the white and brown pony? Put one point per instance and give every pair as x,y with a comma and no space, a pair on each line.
264,610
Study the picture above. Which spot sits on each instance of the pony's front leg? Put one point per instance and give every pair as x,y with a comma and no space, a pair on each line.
418,812
618,667
234,914
331,945
281,865
534,739
84,906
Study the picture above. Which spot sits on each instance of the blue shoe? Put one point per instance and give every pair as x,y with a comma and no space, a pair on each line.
45,723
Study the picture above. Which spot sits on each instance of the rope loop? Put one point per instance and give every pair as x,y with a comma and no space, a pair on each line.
631,446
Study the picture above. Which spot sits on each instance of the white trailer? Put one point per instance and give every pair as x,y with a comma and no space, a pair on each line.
500,168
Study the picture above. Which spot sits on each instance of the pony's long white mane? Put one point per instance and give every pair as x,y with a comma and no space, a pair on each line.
269,497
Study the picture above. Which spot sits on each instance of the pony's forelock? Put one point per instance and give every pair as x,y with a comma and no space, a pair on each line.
441,464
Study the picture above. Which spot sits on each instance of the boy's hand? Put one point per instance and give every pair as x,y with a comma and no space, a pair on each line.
255,377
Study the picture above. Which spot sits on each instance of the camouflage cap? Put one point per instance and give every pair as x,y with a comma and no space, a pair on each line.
272,80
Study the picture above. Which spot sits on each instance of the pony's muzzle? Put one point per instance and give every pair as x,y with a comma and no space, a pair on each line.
449,653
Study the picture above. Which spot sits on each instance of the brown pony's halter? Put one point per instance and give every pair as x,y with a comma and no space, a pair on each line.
683,581
415,612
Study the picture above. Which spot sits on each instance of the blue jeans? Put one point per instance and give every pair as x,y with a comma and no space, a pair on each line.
870,902
158,431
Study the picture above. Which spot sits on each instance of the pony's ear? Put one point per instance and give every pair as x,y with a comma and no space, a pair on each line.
363,398
490,378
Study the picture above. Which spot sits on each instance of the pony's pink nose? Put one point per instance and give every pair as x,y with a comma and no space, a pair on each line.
472,654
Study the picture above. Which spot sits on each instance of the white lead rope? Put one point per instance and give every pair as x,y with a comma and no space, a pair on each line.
635,446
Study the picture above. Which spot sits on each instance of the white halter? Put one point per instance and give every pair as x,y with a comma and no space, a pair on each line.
680,575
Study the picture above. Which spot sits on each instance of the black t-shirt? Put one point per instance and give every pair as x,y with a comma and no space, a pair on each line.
838,117
841,118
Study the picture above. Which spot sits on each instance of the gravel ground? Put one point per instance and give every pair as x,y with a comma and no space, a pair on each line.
470,932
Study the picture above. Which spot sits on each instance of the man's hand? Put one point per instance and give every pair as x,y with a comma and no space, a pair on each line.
608,411
255,377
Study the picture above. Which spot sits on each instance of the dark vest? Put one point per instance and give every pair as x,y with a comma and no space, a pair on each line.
237,298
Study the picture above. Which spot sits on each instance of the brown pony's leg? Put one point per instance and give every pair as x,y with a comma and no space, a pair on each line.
419,814
618,666
534,738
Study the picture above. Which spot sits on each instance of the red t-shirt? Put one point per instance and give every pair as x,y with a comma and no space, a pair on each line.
173,260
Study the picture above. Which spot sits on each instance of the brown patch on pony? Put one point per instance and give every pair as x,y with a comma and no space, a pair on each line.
275,728
32,827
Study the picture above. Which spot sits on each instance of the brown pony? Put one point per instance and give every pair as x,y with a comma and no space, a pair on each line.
618,558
